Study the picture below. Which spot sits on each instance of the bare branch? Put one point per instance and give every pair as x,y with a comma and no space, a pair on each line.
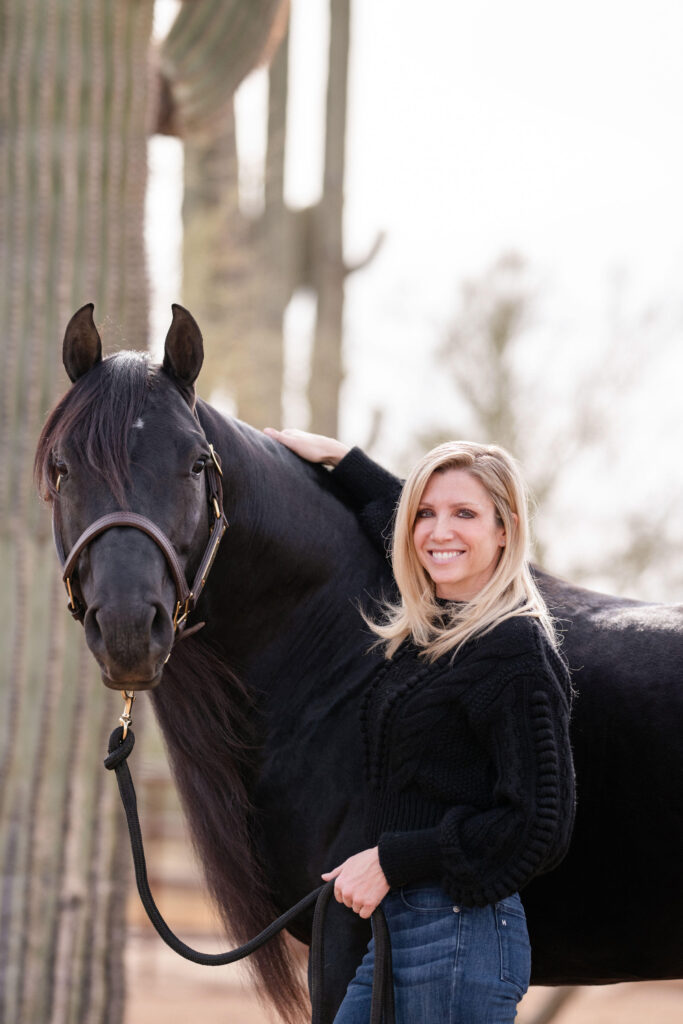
351,268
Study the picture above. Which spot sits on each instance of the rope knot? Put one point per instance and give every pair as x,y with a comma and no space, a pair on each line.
119,749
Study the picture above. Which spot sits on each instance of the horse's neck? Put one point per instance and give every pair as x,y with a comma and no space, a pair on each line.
294,560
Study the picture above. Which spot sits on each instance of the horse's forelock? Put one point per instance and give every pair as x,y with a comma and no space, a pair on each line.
96,416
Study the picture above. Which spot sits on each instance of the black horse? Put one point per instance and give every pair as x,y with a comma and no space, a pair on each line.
259,709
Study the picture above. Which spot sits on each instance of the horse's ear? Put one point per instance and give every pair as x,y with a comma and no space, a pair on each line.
184,350
82,347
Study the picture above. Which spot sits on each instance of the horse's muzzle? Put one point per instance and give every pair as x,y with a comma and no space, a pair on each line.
131,644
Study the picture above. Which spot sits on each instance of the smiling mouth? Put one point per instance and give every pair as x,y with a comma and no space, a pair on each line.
445,556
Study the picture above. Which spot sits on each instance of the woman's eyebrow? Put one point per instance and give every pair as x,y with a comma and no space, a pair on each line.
452,504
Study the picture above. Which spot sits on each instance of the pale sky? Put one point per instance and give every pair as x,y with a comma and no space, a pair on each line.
550,129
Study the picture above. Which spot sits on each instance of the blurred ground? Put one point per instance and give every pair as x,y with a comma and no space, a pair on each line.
163,988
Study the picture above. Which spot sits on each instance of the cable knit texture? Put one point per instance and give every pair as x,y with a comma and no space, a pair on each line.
372,492
468,760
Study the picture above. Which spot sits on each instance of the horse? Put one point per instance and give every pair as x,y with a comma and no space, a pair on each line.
259,706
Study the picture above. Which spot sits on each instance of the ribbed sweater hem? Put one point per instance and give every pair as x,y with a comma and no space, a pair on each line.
410,856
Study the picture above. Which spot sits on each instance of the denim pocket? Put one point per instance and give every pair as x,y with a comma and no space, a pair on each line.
428,899
512,905
513,942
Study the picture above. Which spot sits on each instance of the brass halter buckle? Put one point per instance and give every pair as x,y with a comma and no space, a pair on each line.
72,603
178,617
126,718
215,459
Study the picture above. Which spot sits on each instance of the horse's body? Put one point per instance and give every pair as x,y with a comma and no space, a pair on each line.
281,611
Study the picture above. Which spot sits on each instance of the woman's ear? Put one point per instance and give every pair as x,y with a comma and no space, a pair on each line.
504,538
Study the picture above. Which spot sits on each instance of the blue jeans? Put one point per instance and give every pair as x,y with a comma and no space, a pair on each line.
451,964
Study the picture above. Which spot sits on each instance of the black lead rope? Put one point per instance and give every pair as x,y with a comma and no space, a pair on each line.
382,986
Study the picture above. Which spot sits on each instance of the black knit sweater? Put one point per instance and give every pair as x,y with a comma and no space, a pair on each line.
468,760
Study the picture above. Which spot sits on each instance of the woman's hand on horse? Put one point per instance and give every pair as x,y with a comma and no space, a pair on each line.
360,882
313,447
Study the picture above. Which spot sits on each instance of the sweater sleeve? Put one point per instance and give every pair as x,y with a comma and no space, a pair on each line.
372,492
483,855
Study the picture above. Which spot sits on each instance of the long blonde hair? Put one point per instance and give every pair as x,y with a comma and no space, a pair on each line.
510,592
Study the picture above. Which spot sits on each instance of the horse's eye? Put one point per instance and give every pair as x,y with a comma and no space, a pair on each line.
198,467
60,466
61,471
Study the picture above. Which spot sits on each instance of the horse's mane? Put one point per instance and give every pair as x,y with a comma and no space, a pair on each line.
204,711
207,719
96,415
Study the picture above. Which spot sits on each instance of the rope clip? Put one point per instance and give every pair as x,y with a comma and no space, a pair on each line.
126,718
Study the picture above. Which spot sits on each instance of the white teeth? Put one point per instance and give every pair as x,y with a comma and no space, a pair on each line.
445,556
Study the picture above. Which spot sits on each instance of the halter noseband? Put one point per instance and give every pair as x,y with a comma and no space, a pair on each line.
186,597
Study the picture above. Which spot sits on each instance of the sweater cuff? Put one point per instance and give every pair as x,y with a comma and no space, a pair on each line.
364,480
410,856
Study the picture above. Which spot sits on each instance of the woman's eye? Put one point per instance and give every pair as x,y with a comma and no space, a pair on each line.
465,513
423,513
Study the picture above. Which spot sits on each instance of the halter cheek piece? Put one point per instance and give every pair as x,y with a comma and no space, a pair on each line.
186,597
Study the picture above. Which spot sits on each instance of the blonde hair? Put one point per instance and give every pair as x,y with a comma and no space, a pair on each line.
510,592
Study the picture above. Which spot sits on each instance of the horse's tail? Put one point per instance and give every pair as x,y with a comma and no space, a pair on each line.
204,714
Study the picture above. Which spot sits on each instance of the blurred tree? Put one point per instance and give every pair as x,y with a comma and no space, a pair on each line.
502,395
328,270
232,273
235,266
75,110
508,386
240,269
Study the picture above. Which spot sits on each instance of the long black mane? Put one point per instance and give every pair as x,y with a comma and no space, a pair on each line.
96,416
209,723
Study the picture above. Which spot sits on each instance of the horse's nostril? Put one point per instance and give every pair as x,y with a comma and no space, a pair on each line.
161,630
93,632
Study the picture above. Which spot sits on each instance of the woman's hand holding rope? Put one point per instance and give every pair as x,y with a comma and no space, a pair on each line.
360,883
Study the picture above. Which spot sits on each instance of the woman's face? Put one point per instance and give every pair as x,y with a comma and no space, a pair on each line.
457,537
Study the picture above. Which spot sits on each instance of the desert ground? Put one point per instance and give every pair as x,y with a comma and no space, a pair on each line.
163,988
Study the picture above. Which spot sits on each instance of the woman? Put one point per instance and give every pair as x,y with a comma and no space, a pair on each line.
469,768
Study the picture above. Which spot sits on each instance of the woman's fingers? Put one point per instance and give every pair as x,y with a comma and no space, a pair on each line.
313,447
340,895
360,883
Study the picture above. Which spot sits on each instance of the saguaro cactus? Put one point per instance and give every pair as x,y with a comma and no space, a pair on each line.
74,104
241,271
211,47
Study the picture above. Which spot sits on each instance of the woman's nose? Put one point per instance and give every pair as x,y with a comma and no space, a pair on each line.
442,528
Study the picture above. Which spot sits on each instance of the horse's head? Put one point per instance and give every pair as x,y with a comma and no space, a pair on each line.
124,454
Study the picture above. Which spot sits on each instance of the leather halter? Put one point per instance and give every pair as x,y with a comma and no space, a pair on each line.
186,596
